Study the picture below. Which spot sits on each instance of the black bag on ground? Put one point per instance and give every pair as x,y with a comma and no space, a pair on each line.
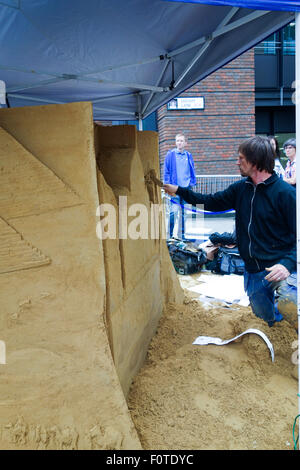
184,260
225,238
227,261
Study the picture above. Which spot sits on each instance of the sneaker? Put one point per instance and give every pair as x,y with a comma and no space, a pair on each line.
278,316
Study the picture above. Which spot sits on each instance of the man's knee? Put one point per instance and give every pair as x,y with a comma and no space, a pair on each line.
262,306
260,295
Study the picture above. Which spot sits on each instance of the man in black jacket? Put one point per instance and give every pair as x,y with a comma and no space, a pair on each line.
265,208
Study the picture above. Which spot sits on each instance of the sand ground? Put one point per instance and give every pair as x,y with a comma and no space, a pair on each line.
215,397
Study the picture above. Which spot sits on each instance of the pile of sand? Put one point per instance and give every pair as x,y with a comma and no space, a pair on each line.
215,397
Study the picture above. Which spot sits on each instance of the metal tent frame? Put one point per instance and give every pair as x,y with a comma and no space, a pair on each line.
131,85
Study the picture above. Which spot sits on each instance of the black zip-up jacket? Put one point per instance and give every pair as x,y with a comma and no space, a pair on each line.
265,217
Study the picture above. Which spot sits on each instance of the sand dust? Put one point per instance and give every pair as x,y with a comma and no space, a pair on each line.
215,397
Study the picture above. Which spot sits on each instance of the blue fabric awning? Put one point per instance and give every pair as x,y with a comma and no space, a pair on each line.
279,5
127,57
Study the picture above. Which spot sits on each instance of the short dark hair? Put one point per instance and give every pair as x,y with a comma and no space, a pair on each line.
259,152
291,142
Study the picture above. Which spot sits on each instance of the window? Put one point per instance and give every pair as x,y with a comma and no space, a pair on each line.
269,46
278,41
289,39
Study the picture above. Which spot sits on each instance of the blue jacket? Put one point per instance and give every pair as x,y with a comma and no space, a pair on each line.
265,217
170,173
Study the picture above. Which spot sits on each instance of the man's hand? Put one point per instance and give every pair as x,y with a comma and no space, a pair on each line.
278,272
170,189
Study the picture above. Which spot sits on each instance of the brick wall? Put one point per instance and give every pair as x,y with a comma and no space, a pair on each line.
228,118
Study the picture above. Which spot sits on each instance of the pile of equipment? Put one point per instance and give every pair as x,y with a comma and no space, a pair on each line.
219,255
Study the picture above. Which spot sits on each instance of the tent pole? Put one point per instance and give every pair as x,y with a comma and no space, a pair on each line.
297,105
223,30
205,46
2,94
139,112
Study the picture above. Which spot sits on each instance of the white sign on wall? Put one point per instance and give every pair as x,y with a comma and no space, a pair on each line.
188,102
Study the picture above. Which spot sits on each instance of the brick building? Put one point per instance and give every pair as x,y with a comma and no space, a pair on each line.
228,117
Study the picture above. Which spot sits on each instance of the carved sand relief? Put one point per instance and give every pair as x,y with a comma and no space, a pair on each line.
21,434
78,325
126,161
59,377
28,186
16,253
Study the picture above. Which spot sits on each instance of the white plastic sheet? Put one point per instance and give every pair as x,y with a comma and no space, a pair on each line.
204,340
227,288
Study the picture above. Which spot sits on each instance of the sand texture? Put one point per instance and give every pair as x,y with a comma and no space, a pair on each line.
215,397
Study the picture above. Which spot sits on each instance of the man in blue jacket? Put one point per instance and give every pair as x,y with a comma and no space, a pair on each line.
265,212
179,170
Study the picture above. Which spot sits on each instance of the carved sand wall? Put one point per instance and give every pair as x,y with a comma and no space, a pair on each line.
76,313
139,284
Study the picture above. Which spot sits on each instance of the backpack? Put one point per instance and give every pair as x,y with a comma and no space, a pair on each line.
184,260
227,261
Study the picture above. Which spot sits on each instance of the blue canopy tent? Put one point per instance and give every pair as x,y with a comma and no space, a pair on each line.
277,5
128,57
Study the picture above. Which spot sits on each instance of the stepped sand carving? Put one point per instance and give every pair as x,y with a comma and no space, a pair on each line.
76,331
16,253
27,182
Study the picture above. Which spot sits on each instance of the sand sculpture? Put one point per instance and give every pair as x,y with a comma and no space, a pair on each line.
77,312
